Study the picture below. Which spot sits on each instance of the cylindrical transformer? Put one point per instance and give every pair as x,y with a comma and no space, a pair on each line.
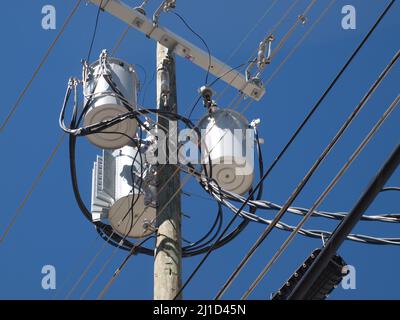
121,192
130,215
105,103
228,142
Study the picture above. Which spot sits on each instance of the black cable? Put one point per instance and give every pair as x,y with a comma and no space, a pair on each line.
309,173
146,87
202,40
194,106
217,225
322,98
94,31
105,231
144,75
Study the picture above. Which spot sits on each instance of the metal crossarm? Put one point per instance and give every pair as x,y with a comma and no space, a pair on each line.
181,47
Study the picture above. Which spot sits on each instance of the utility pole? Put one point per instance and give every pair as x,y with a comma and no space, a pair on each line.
168,251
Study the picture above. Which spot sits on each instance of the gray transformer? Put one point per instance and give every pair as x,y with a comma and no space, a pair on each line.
115,175
229,143
106,103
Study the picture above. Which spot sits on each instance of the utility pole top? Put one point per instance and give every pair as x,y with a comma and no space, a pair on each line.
181,47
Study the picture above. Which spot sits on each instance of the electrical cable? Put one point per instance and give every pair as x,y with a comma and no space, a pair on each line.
309,174
323,195
391,189
102,228
109,124
244,39
120,40
39,67
318,234
300,19
77,263
85,271
202,40
213,83
274,28
292,139
101,271
96,24
300,42
121,267
32,188
18,102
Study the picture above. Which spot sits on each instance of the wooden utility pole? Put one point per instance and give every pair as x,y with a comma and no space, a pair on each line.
168,252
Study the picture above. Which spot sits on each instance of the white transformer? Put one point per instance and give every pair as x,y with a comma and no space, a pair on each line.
229,143
115,175
106,103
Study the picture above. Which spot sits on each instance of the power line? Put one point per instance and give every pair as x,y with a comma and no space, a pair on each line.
272,30
285,38
32,187
42,62
266,12
300,19
309,174
62,138
240,96
346,226
280,155
77,264
201,39
102,269
391,189
85,271
96,24
300,42
120,268
324,194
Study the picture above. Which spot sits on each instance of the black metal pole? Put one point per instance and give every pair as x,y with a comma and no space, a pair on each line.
345,227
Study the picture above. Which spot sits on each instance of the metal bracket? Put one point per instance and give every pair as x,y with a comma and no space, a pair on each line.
141,8
165,6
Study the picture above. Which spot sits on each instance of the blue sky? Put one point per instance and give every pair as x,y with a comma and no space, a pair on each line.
51,229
